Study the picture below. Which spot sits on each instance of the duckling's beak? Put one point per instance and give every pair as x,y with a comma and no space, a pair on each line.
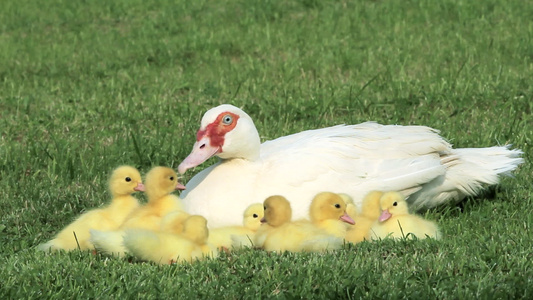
201,151
263,220
385,215
139,187
346,218
180,187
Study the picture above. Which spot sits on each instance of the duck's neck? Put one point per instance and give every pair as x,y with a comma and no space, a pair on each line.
154,195
121,200
247,148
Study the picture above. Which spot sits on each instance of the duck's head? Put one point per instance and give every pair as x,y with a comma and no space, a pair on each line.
327,205
161,181
124,181
195,229
252,216
391,204
277,211
227,132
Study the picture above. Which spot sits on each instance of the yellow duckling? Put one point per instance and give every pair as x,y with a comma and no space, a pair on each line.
160,183
238,236
370,212
396,222
165,248
278,233
124,181
328,212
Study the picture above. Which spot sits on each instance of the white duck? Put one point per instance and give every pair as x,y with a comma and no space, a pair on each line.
350,159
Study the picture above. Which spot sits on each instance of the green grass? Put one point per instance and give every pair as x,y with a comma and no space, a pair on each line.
89,85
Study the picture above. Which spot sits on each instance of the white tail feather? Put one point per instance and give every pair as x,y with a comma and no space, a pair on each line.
468,170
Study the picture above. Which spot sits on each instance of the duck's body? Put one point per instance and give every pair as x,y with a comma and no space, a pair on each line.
350,159
173,222
279,233
396,222
238,236
150,215
370,211
160,183
124,181
165,248
297,237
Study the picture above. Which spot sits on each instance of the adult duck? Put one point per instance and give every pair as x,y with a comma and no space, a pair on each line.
350,159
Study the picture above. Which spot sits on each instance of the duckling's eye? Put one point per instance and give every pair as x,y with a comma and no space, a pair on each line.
264,207
128,179
337,205
395,204
171,178
228,119
255,215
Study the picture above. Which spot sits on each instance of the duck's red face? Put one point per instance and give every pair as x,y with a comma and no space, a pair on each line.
209,140
215,132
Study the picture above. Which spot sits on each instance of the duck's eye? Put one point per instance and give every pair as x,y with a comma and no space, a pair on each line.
337,205
264,207
395,204
171,178
255,215
128,179
228,119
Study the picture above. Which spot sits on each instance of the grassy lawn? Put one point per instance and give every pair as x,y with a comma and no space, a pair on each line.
88,85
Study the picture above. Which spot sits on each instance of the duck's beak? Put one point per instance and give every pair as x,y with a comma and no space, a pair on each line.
201,151
180,187
385,215
139,187
346,218
263,220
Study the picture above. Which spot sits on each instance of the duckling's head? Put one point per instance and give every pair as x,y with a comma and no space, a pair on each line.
351,210
252,216
371,205
195,229
277,211
124,181
392,204
161,181
327,205
346,198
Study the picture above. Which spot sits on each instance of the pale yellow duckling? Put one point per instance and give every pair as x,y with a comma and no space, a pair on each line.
328,212
124,181
396,222
160,183
165,248
238,236
370,212
278,233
